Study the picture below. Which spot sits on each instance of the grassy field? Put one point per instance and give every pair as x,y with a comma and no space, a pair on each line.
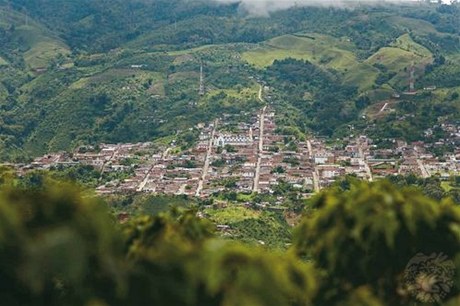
320,49
380,94
232,214
403,53
42,53
265,56
81,83
37,43
244,93
119,74
158,86
338,54
113,74
399,57
253,226
415,25
362,75
406,43
189,51
374,111
233,98
3,62
394,59
8,17
41,48
446,186
3,92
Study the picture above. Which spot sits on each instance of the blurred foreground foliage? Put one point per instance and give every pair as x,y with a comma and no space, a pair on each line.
60,246
364,236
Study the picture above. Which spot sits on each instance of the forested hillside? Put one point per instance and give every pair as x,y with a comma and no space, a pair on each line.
79,72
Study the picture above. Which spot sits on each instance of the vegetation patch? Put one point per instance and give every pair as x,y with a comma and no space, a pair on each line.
42,49
232,214
323,50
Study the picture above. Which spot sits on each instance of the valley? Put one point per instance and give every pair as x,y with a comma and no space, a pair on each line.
229,152
232,158
56,97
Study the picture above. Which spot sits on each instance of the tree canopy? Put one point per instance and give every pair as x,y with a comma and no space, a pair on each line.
61,246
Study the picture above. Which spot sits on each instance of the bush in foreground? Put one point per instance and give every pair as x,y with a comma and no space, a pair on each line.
59,246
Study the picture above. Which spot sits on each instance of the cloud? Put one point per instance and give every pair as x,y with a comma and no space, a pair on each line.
265,7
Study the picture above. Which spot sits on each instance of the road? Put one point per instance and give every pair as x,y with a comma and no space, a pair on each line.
260,150
310,149
206,161
147,176
316,180
260,93
368,170
108,161
166,153
383,108
425,173
144,181
182,189
315,170
421,166
365,164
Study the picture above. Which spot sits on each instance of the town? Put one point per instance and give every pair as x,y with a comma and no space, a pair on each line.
251,156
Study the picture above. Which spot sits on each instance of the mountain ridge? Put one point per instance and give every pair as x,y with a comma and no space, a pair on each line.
57,91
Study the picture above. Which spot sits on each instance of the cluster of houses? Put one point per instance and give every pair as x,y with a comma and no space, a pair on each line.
252,156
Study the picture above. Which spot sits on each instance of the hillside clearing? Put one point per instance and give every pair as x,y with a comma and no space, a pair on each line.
41,49
320,49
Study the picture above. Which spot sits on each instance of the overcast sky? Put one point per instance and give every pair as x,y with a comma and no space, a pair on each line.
263,7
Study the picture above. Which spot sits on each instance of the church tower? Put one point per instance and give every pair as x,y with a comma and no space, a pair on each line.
202,89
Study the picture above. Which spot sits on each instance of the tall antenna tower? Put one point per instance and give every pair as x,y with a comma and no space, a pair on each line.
412,79
26,15
175,22
202,89
8,7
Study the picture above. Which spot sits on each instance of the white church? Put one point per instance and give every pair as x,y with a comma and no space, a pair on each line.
234,140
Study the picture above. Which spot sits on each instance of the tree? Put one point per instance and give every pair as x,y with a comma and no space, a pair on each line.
57,247
278,169
365,237
173,255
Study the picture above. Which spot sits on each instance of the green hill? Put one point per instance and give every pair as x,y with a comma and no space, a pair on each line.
121,75
401,54
394,59
321,49
30,41
41,49
340,54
